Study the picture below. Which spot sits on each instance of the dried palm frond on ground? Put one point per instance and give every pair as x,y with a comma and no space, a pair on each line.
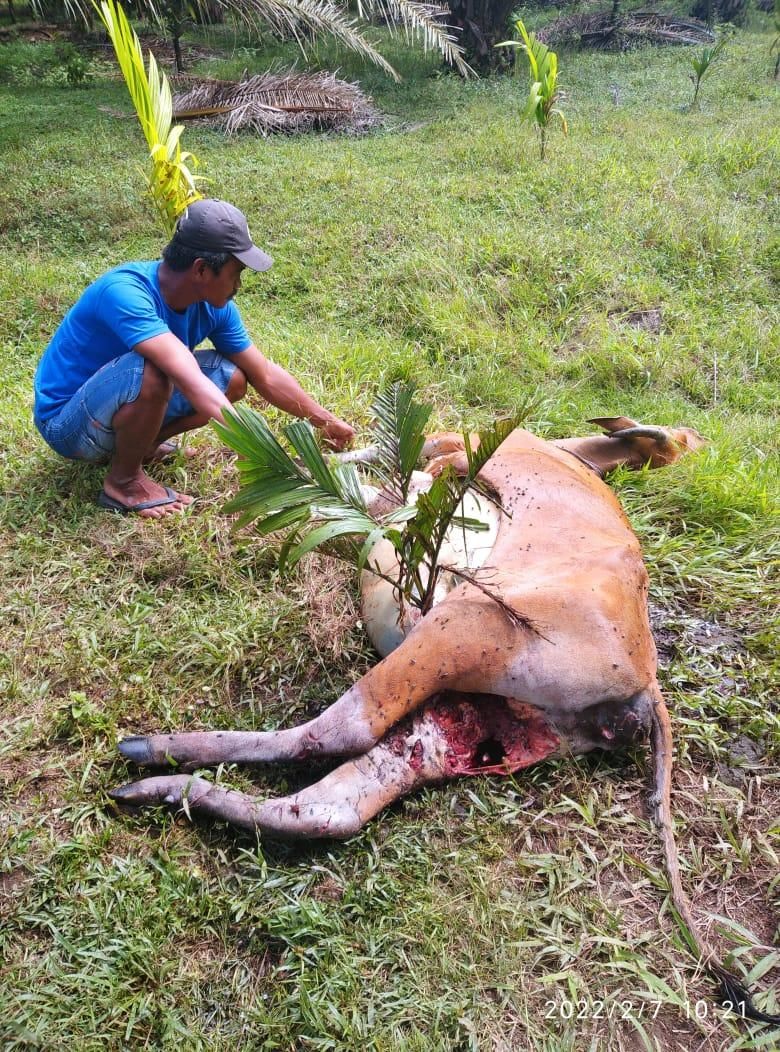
601,30
277,102
32,33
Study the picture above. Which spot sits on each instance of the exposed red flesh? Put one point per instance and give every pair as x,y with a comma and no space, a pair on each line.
485,736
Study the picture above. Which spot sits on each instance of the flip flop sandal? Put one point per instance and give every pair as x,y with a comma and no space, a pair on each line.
127,509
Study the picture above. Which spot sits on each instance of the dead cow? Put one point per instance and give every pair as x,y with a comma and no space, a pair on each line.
544,649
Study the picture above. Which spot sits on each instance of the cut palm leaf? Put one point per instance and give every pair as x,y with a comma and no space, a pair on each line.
319,503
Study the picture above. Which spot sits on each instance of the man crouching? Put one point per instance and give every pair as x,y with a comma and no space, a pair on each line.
121,375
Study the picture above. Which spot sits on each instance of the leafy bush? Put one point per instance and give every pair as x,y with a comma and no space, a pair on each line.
26,64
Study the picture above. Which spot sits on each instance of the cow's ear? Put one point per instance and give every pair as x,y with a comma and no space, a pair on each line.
613,423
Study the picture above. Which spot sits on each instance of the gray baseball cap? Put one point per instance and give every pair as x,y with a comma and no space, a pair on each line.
209,225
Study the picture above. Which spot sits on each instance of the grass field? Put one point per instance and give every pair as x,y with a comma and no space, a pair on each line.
489,914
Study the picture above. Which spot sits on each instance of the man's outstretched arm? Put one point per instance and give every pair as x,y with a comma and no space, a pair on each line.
282,390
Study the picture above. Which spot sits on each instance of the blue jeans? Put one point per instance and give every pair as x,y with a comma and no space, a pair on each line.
82,429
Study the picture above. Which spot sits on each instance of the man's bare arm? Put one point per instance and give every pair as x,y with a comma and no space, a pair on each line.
173,358
281,389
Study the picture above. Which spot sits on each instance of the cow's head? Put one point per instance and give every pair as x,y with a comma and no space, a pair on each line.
643,444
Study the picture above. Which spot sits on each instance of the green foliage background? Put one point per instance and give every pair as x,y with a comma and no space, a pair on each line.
441,250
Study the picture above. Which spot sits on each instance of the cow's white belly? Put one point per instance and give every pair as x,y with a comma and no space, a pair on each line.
464,549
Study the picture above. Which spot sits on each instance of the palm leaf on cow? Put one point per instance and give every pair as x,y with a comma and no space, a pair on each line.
400,430
279,492
319,502
419,546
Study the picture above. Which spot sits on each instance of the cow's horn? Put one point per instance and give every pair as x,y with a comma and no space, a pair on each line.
369,455
641,431
613,423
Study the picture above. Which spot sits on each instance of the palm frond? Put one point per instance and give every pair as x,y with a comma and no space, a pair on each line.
400,431
421,20
324,535
490,440
437,510
424,21
319,501
248,434
319,16
171,183
309,496
75,10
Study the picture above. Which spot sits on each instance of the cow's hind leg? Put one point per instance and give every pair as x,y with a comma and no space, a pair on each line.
342,730
453,735
429,660
337,806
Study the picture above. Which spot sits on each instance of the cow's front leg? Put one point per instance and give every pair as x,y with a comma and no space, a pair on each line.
337,806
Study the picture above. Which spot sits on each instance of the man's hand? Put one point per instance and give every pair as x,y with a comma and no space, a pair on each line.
281,389
337,434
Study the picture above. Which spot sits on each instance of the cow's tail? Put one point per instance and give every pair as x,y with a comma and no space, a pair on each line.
733,993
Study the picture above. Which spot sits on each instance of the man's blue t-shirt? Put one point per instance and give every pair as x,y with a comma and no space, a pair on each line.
117,312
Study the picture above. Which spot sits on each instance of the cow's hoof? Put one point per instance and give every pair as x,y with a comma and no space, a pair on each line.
152,792
126,794
137,750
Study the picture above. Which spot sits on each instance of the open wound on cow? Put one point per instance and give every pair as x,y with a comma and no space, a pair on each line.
485,736
481,734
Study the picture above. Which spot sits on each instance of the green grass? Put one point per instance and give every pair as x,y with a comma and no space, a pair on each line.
472,916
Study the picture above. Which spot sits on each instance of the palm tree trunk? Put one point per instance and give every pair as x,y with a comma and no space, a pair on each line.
177,50
483,24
